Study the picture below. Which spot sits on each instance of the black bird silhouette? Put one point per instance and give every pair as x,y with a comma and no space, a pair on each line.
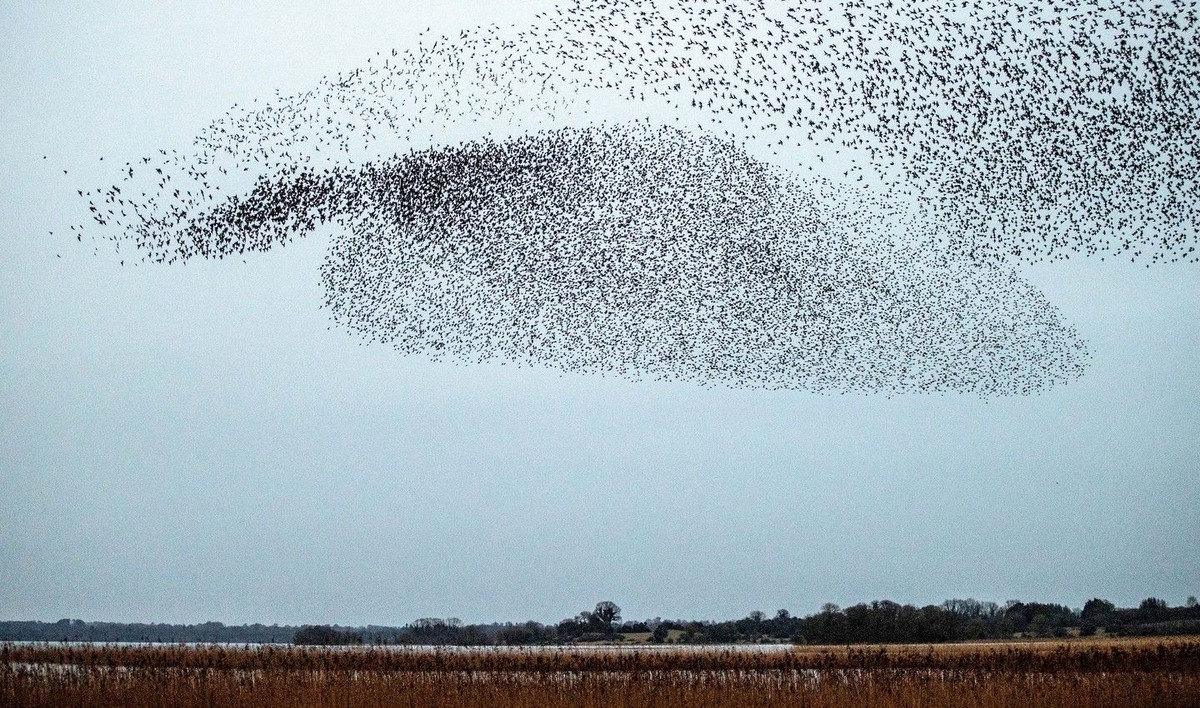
955,140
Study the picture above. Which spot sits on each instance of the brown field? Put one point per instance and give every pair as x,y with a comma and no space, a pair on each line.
1095,672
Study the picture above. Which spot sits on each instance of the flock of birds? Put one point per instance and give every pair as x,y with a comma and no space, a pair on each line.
829,196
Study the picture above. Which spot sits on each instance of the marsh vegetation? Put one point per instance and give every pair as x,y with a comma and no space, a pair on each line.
1071,674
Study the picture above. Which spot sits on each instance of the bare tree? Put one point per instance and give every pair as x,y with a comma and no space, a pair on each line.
606,613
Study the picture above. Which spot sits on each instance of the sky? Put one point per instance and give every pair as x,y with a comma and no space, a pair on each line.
196,442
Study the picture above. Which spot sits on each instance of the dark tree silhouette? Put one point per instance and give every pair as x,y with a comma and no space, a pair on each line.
606,614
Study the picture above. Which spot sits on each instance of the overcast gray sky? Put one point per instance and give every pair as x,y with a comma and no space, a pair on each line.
194,443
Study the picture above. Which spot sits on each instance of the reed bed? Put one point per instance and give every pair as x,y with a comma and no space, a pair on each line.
1147,672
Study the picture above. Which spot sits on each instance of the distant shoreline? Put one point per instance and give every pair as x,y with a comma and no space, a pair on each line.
1016,642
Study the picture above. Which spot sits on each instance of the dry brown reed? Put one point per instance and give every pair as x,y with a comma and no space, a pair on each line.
1147,672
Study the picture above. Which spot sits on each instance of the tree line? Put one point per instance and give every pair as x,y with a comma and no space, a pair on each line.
882,621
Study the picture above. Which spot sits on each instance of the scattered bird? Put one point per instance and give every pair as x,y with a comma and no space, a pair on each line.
481,208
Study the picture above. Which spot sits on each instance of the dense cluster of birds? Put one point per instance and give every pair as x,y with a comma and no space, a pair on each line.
804,194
